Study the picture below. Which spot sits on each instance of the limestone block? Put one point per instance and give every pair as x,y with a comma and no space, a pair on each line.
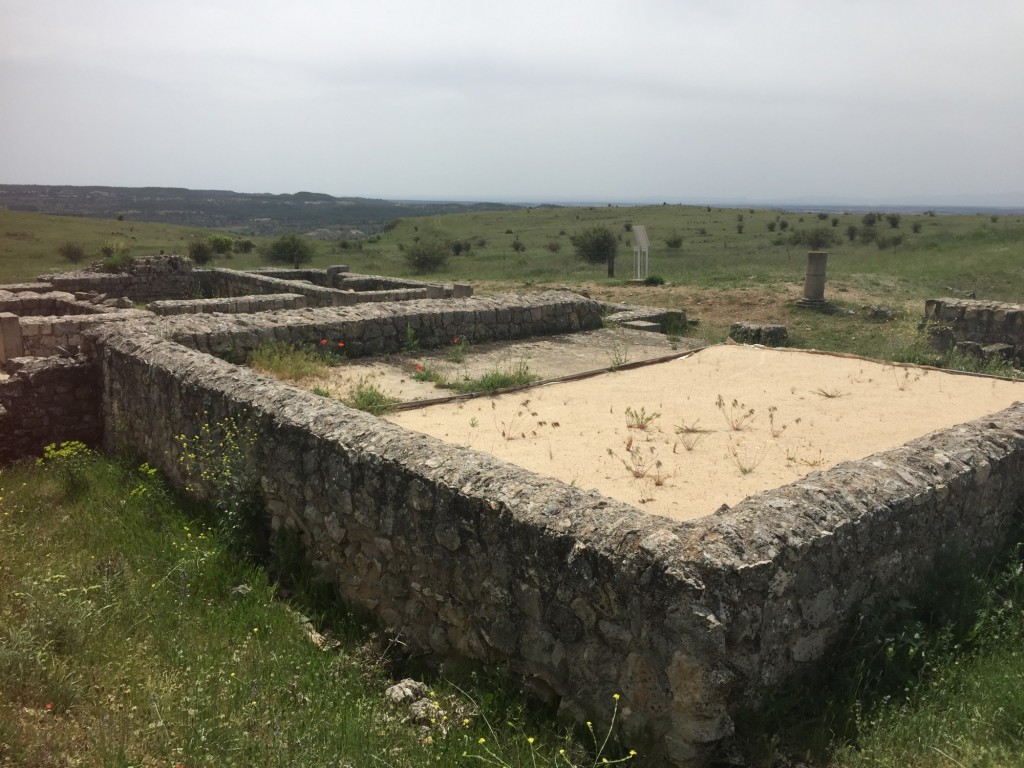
10,337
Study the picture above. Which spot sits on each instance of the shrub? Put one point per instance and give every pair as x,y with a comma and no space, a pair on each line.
220,244
822,216
869,219
628,226
554,246
893,219
815,239
783,225
427,255
518,246
200,251
595,246
72,252
290,249
739,228
835,221
771,226
851,233
916,227
675,241
243,246
654,280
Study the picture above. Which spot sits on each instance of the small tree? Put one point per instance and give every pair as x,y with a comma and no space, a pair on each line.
200,251
290,249
851,233
73,252
596,246
427,254
220,244
893,219
243,246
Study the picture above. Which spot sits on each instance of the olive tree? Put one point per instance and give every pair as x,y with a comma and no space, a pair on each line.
290,249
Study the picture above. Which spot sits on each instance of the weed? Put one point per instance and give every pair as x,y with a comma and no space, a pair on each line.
70,461
514,375
457,353
736,414
424,372
640,419
746,461
366,396
774,429
829,393
285,361
321,391
412,342
619,351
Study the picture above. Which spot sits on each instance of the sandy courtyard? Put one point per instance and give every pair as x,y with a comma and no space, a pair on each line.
682,438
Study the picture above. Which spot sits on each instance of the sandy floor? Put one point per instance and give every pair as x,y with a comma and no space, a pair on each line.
721,424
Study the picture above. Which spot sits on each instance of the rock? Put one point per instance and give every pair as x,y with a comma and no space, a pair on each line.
878,312
770,335
124,303
406,692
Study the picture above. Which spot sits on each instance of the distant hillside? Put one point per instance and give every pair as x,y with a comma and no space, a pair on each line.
318,215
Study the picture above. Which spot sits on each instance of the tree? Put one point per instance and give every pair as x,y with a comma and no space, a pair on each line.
290,249
73,252
200,251
597,246
427,254
221,244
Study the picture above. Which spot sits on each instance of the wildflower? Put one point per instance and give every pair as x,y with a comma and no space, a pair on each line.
615,696
455,340
419,367
632,753
481,740
530,740
465,721
341,344
323,342
49,706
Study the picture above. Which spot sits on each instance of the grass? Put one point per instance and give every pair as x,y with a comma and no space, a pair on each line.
367,396
130,634
512,375
288,362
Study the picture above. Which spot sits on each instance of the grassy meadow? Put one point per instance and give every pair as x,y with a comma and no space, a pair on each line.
133,634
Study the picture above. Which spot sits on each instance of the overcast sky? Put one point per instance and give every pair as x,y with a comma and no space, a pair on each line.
675,100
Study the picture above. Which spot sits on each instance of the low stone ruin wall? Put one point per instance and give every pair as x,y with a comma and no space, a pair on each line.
46,336
149,278
25,304
46,401
955,322
464,555
370,329
246,304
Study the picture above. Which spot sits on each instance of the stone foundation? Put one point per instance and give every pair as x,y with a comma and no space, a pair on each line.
981,324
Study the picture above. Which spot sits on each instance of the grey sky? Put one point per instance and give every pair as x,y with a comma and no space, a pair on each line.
874,100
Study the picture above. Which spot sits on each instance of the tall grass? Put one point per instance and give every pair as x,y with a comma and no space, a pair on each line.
131,635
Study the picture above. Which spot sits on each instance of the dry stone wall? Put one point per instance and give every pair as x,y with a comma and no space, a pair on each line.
47,400
369,329
243,305
149,278
952,322
467,556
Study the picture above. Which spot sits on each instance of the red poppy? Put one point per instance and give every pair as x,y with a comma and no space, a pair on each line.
49,706
419,367
341,344
323,342
455,340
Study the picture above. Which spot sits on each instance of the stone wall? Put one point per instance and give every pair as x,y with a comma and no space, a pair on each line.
46,401
467,556
46,336
25,303
952,322
380,328
149,278
243,305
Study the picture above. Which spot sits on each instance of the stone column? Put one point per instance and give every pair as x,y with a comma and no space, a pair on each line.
814,282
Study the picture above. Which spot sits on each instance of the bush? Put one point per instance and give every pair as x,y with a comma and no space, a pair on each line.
427,255
869,219
851,233
72,252
243,246
290,249
596,246
518,246
893,219
816,239
654,280
916,227
675,241
220,244
200,251
554,246
771,226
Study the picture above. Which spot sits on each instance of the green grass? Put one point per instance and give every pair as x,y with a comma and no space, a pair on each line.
288,362
366,396
131,635
515,374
